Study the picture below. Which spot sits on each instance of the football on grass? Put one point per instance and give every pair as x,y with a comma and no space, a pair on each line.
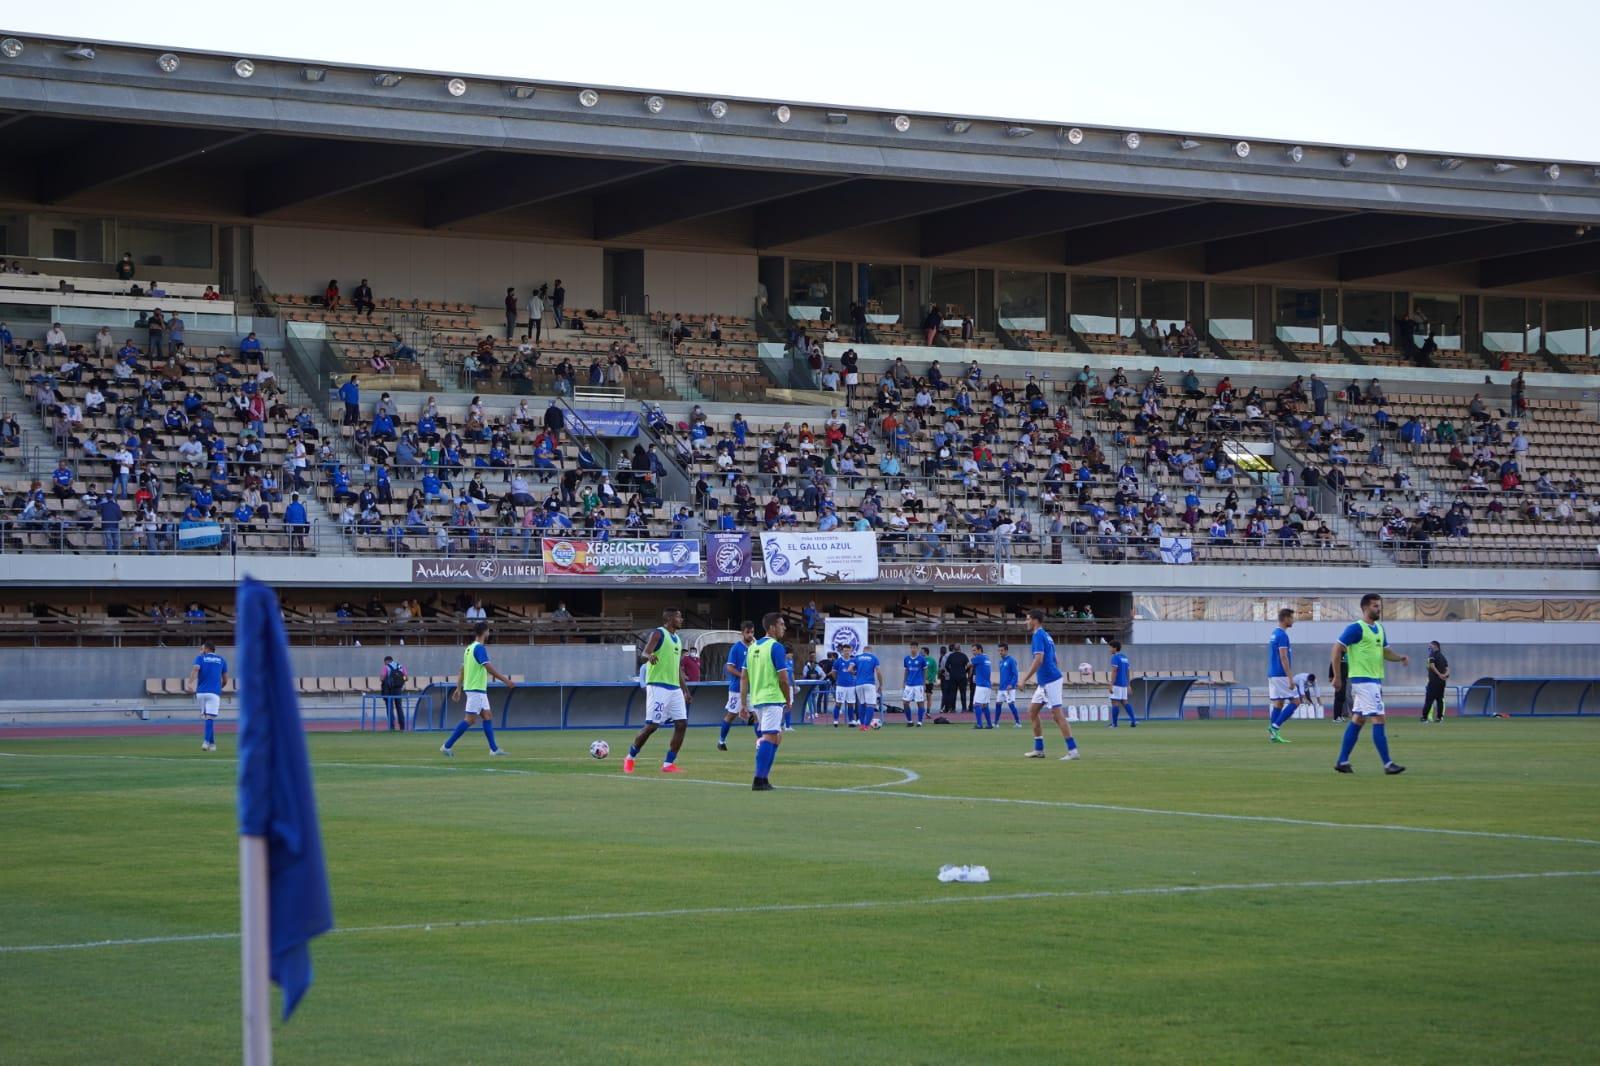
599,749
1085,669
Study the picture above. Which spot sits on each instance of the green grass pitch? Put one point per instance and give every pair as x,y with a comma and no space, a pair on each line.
689,920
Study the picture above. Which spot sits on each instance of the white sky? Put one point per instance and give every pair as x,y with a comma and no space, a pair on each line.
1469,76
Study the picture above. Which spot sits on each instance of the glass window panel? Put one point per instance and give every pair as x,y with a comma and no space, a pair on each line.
810,288
1094,304
1023,300
1297,315
1441,313
1165,301
1564,327
1594,328
13,234
954,289
1127,306
1367,317
1505,323
880,292
77,239
1232,314
165,244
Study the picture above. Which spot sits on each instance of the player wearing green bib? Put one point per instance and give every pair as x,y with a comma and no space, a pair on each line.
766,690
1365,648
472,684
666,697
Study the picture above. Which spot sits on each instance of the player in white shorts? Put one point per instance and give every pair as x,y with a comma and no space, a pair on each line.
1305,691
869,679
734,709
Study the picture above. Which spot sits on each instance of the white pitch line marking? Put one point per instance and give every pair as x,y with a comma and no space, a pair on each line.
880,790
851,905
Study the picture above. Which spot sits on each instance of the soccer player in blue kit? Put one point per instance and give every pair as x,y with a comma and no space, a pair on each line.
1280,676
869,674
1044,668
1008,685
735,671
982,689
209,676
1121,671
844,686
913,693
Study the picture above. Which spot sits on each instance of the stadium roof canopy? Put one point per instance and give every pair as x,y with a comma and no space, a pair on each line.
133,130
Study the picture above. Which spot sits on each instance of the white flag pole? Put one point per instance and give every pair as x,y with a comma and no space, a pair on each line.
255,951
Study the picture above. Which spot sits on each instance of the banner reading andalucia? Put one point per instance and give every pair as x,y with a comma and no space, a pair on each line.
578,557
820,557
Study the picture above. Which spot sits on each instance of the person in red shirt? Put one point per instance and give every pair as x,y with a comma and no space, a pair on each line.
330,295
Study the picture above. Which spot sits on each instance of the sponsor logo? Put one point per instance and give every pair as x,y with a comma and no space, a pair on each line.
848,637
950,574
563,553
777,563
681,552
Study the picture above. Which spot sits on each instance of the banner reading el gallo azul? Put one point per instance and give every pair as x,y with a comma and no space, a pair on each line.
820,557
579,557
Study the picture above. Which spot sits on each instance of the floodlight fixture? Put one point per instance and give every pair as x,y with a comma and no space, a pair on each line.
901,123
1553,171
456,87
1451,162
588,98
837,118
1072,135
11,48
1241,149
388,79
1131,141
1188,144
655,104
167,62
244,68
717,109
782,114
1502,168
83,53
1019,131
1295,153
522,92
1348,159
958,125
1398,160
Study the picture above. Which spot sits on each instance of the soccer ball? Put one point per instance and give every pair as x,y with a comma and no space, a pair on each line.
599,749
1085,669
877,723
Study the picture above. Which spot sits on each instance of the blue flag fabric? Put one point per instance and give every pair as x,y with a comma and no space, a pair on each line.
275,796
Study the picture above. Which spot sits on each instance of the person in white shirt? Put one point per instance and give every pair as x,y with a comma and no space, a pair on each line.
714,330
102,341
476,611
94,401
55,337
830,380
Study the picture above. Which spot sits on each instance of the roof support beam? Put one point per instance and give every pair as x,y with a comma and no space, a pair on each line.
1186,225
1033,213
1329,238
1455,248
329,170
125,153
1521,269
859,203
517,181
686,193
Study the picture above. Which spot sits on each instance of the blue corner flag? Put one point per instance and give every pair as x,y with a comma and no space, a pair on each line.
275,796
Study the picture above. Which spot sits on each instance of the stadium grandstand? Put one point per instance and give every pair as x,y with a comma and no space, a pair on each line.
401,342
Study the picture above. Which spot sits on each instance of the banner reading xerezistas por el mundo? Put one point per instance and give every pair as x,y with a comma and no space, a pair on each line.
582,557
797,558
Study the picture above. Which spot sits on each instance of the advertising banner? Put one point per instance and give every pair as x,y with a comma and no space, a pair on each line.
595,422
507,570
1178,551
728,557
947,575
793,558
847,633
579,557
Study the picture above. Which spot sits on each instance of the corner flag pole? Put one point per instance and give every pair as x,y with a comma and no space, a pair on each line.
255,951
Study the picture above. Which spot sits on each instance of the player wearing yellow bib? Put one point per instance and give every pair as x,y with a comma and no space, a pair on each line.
1365,647
666,698
473,684
766,689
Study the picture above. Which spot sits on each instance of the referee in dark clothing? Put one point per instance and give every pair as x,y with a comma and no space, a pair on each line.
1438,675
